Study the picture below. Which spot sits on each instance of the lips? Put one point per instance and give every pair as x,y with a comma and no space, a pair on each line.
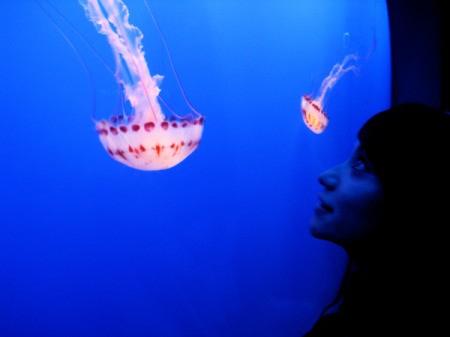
324,206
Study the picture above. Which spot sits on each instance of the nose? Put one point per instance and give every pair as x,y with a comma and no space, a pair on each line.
329,178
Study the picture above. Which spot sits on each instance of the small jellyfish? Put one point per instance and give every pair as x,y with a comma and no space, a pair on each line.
315,118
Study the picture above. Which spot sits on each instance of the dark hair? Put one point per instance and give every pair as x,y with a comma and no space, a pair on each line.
407,139
408,147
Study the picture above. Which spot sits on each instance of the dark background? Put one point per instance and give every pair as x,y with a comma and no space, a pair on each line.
420,51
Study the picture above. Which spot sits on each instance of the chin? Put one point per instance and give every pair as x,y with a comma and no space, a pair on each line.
318,231
315,230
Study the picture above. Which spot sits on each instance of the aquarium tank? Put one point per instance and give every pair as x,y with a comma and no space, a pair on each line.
160,161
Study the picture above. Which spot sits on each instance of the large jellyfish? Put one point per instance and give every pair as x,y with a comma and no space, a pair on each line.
148,138
315,118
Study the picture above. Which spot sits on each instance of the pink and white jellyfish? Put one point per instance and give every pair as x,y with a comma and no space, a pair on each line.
149,138
315,118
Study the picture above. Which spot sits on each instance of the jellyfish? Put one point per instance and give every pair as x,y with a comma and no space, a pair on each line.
148,138
315,118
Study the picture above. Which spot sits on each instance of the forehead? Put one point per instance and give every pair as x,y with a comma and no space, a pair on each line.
356,145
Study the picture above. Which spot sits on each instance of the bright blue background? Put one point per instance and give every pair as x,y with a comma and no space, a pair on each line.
216,246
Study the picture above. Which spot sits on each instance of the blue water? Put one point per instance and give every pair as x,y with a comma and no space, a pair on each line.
215,246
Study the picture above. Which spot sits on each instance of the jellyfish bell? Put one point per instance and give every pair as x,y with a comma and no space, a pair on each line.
146,145
312,108
313,115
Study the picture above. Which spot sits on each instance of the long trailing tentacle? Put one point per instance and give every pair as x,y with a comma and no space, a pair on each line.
166,47
74,49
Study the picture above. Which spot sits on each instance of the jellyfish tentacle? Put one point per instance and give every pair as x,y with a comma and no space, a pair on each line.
169,56
335,74
74,49
141,89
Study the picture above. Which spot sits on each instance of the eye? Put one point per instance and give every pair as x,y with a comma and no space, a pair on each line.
360,163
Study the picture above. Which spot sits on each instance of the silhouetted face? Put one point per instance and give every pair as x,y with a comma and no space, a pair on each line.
350,205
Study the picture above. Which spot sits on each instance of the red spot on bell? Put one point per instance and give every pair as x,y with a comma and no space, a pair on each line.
122,154
113,130
149,126
158,149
